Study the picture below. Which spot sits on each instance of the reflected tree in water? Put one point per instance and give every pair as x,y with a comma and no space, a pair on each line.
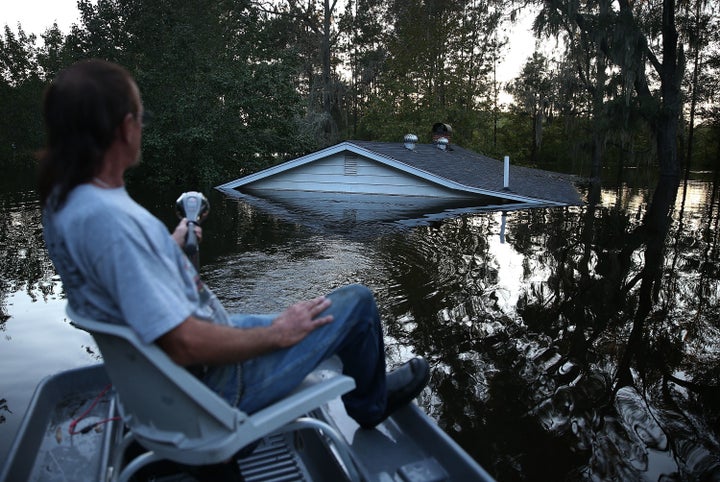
584,347
600,354
25,265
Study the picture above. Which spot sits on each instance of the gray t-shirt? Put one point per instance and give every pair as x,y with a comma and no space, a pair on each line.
119,264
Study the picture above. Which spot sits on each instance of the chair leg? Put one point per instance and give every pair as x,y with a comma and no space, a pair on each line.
229,471
121,473
136,464
340,445
119,455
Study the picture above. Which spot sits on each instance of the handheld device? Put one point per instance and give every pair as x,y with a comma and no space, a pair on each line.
194,206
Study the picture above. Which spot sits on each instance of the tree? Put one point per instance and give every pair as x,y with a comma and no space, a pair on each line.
224,103
310,30
631,35
438,67
711,110
363,44
697,26
20,94
54,54
533,92
584,50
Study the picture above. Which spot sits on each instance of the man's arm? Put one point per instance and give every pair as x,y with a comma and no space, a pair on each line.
195,341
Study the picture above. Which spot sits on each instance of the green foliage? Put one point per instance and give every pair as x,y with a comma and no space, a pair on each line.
237,86
221,106
707,147
20,93
534,92
437,61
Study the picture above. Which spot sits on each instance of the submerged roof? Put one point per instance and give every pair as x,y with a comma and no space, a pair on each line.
455,168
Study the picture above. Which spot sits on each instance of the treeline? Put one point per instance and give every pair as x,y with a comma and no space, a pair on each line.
235,86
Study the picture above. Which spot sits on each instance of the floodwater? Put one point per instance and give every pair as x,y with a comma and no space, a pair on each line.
577,343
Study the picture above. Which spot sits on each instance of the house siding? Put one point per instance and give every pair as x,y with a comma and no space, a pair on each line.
352,173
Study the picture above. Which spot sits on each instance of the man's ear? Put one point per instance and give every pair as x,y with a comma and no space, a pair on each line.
125,129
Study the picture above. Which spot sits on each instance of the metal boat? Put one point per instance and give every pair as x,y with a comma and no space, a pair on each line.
408,447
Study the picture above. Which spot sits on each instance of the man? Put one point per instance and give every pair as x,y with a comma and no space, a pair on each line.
119,264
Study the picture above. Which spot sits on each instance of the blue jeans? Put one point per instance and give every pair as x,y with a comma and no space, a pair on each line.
355,335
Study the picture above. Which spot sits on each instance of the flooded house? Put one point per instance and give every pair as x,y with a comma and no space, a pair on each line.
393,178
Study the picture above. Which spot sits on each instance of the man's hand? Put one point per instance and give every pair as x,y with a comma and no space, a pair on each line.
180,233
296,322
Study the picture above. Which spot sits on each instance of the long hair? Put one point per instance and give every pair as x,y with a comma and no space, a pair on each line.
82,108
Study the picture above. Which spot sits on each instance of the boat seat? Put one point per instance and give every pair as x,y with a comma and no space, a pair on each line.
174,416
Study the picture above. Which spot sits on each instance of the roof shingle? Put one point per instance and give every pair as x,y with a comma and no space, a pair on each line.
479,171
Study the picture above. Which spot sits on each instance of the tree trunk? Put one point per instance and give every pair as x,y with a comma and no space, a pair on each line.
598,130
671,73
597,154
328,95
694,95
665,118
535,135
598,98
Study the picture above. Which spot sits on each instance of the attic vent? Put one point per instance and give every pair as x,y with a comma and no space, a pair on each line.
410,140
351,165
442,143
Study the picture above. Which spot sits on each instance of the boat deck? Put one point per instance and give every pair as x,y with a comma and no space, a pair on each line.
408,447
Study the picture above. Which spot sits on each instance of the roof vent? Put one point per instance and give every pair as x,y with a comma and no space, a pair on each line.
441,130
442,143
410,141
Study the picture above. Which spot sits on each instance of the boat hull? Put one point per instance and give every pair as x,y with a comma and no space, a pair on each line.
409,446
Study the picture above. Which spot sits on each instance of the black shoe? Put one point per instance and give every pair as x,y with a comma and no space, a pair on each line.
403,385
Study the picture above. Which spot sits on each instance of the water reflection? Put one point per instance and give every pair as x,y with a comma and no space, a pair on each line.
566,343
25,265
585,376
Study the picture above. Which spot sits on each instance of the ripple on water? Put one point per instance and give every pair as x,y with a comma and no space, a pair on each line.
637,418
261,282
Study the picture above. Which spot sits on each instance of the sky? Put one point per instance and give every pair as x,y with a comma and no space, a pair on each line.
36,16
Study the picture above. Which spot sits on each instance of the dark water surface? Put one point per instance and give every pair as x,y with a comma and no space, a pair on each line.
566,344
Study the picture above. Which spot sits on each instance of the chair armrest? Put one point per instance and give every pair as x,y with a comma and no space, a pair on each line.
301,402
